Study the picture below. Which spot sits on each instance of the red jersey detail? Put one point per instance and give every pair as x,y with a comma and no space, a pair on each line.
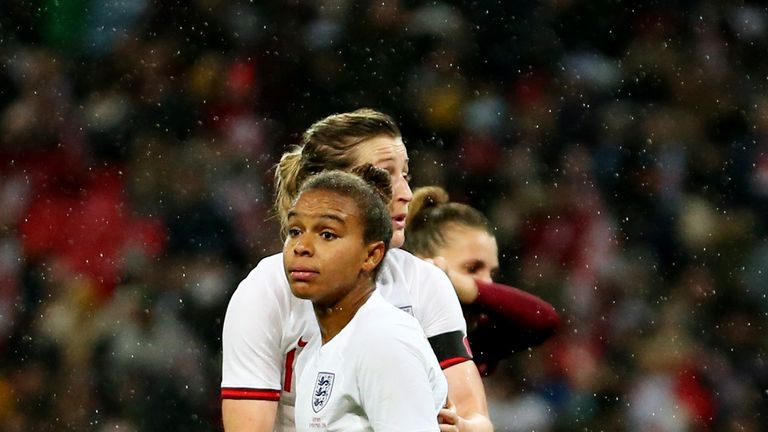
452,361
246,393
289,362
289,359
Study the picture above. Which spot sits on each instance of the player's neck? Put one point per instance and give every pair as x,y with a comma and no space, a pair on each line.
332,319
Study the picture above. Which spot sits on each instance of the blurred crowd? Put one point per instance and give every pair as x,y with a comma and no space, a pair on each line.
619,148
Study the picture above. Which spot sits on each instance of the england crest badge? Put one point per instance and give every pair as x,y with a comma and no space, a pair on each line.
322,393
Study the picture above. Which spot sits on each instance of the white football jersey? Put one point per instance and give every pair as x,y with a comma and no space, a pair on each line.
266,326
377,374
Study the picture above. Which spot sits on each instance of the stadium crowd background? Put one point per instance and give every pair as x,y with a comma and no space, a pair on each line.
620,148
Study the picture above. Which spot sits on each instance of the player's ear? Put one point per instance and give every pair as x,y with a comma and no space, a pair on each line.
374,255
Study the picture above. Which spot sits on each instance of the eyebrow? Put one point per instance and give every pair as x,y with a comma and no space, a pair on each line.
386,159
331,216
391,159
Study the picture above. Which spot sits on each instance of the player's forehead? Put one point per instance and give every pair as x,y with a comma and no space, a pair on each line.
382,149
472,242
325,204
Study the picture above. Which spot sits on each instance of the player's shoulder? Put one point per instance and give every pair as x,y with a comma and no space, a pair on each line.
401,259
270,263
380,321
411,265
267,279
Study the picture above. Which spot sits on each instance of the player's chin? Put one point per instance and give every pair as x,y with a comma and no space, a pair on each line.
301,290
398,238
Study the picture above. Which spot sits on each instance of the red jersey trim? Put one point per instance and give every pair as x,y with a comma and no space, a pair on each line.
289,358
248,393
445,364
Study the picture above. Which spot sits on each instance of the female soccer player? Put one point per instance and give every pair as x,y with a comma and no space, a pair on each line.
460,240
265,326
370,368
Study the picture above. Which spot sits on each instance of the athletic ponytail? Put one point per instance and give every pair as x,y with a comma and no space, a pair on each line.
288,179
431,216
424,199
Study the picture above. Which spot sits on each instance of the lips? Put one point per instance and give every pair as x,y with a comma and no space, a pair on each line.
398,221
302,274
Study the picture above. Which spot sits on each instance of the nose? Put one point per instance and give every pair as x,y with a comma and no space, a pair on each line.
401,190
302,246
484,276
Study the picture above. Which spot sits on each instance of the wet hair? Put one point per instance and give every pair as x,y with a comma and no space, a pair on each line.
430,217
329,144
369,187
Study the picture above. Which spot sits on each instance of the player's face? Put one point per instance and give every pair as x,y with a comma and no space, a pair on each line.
390,155
324,253
471,251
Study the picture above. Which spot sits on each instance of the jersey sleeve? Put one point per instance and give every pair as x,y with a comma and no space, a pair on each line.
251,340
396,389
510,320
521,313
439,310
440,315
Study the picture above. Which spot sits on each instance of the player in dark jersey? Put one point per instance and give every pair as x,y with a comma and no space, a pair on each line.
458,238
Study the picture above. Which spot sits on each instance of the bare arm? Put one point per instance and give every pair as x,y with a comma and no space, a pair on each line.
254,357
245,415
466,392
